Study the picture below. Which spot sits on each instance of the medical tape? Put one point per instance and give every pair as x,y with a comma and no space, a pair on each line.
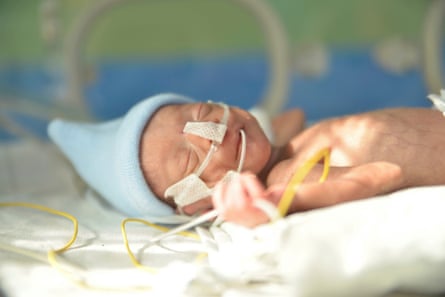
188,190
208,130
191,188
438,101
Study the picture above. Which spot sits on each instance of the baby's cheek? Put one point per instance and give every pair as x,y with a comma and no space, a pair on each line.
199,206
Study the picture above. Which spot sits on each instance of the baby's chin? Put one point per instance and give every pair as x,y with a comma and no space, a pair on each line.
199,207
257,157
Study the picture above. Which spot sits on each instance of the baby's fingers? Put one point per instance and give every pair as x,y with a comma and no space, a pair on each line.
235,200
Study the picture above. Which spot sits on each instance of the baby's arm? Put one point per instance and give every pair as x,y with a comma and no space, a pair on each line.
286,125
237,201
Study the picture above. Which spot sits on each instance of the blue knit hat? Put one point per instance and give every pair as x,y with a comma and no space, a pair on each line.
106,156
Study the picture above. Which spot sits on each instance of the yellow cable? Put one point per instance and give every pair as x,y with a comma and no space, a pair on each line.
300,175
133,258
54,212
53,253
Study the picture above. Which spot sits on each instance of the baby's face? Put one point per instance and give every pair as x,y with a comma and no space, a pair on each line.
168,154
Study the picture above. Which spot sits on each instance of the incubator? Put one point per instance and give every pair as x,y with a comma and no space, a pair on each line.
392,245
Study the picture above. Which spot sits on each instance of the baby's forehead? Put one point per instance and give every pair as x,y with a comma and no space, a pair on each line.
161,147
165,124
176,109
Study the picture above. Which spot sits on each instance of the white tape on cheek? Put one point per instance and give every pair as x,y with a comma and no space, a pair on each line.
208,130
188,190
438,101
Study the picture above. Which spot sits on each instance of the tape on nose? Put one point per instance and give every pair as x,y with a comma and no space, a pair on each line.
208,130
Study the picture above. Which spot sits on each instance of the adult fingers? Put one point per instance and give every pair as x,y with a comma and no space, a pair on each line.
351,184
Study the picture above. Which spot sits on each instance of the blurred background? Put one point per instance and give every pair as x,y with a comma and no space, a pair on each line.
93,60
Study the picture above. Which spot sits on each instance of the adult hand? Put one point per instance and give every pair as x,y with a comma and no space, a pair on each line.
348,184
412,138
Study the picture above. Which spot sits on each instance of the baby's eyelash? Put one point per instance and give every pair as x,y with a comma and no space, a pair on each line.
191,161
203,110
198,117
187,162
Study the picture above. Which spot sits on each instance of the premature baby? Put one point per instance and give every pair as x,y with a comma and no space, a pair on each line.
171,154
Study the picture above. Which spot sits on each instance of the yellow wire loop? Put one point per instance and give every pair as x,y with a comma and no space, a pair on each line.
54,212
53,253
300,175
133,258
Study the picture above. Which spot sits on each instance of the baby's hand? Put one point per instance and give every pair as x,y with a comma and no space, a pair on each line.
237,201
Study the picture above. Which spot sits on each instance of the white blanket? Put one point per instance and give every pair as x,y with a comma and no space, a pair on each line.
373,247
365,248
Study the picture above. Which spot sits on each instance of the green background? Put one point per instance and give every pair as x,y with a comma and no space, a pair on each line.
165,27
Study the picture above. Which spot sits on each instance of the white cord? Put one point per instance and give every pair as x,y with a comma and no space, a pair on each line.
277,44
438,101
243,150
